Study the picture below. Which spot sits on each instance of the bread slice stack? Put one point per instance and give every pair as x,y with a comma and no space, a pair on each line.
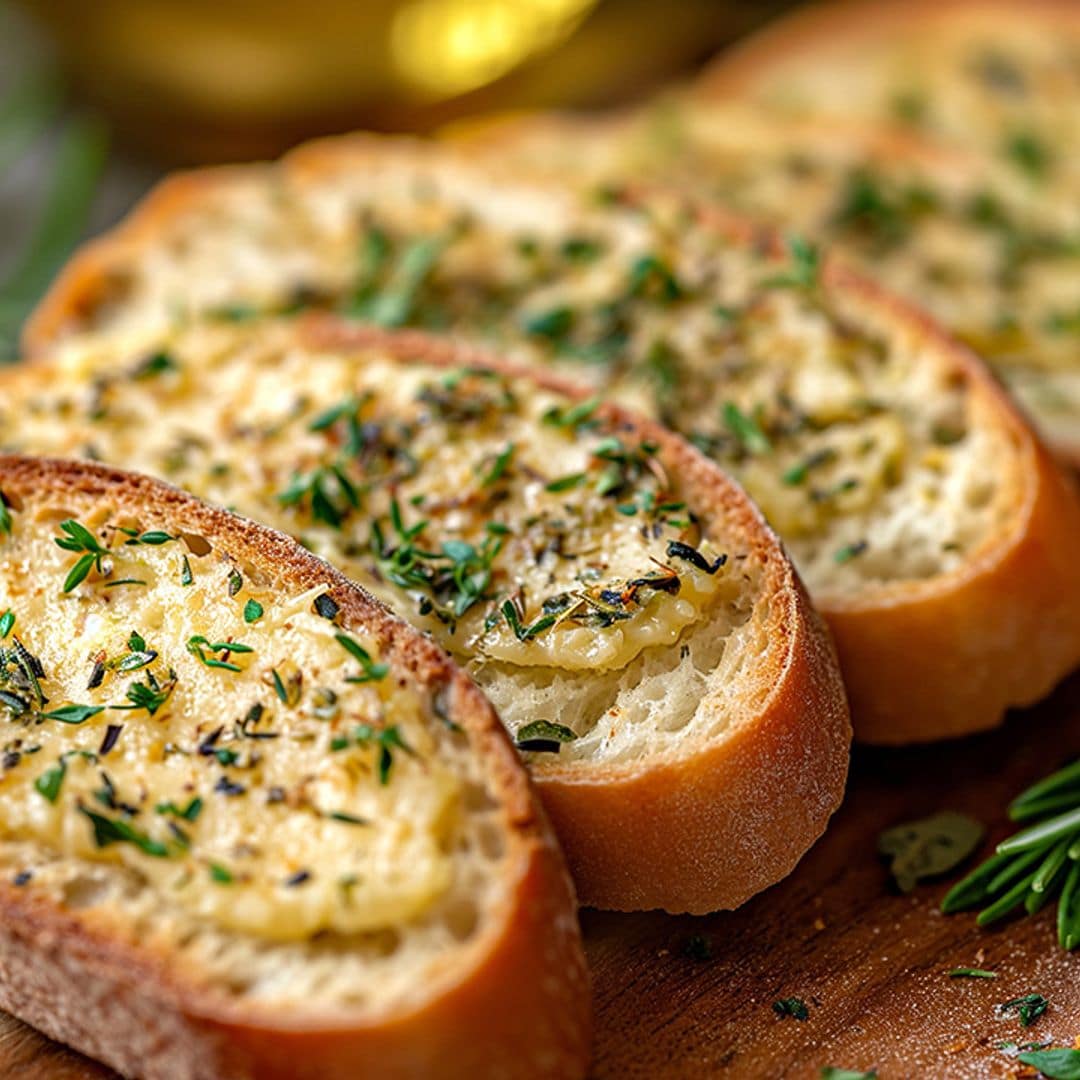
251,825
620,601
932,529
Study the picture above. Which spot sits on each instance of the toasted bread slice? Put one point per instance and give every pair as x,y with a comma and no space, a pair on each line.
993,75
636,625
252,825
929,523
987,253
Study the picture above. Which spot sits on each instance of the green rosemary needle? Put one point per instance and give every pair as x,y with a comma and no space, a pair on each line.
1035,864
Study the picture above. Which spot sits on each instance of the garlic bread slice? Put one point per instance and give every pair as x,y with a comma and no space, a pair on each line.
636,625
250,824
992,255
995,76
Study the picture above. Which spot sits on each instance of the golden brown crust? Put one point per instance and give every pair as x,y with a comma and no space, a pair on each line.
520,1006
743,69
950,655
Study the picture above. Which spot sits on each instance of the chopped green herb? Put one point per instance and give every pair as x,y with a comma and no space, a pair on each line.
332,496
805,267
5,516
972,973
220,875
495,472
73,714
1029,154
573,417
850,551
49,783
745,429
525,633
386,740
186,576
566,483
793,1007
198,646
798,472
279,687
150,695
1028,1007
543,736
109,831
553,324
152,539
253,611
372,672
830,1072
155,364
7,623
190,812
78,538
651,276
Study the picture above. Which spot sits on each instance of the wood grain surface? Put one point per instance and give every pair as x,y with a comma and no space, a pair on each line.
871,964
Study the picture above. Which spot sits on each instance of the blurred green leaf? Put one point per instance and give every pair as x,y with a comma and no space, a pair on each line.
76,169
26,113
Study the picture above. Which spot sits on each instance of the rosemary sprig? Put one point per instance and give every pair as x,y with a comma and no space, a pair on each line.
1033,865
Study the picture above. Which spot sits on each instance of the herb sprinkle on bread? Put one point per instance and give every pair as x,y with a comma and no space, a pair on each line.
637,626
860,429
253,825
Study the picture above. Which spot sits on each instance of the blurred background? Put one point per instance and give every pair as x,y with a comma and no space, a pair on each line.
99,98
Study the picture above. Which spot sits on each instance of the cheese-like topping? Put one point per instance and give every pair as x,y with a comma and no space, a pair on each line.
519,527
849,441
162,707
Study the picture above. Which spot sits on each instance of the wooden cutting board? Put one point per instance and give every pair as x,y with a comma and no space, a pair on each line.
870,963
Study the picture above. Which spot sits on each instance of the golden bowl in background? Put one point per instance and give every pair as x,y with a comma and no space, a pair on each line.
200,80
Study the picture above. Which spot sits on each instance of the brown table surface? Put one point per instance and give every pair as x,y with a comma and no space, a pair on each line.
870,963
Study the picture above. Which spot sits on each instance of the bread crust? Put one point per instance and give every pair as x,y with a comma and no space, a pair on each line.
745,68
948,656
922,660
519,1006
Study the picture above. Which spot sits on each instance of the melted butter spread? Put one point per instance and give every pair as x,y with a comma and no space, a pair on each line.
516,526
264,776
845,439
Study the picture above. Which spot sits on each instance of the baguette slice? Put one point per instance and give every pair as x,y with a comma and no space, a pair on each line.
619,599
994,257
931,527
251,825
992,75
